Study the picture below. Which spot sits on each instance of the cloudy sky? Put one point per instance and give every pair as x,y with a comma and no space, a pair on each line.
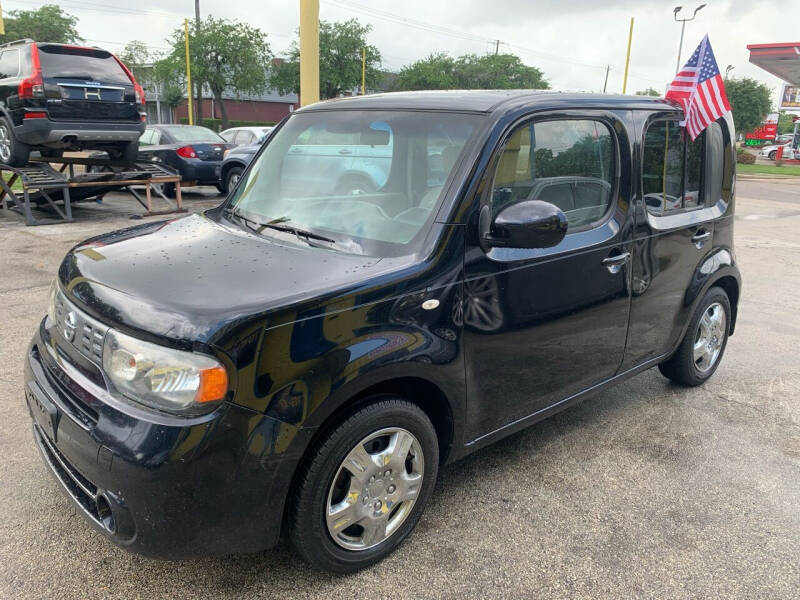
572,41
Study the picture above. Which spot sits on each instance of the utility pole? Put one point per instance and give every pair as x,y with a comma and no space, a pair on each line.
188,72
605,83
627,59
363,71
496,47
309,52
198,84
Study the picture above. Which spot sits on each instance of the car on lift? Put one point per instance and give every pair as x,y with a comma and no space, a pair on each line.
195,152
57,97
301,360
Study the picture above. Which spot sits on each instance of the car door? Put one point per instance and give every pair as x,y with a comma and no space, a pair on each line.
674,230
541,325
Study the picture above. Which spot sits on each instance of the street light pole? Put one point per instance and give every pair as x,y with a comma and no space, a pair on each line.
675,12
728,69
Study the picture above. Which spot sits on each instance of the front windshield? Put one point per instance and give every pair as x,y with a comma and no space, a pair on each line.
368,181
193,133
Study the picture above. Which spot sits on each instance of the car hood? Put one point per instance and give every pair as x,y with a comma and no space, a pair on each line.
192,278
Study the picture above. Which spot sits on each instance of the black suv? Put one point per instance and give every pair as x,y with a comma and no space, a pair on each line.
56,97
301,360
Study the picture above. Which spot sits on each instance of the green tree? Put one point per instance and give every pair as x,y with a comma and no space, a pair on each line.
340,45
648,92
228,56
436,72
786,122
138,58
45,24
750,102
497,71
470,71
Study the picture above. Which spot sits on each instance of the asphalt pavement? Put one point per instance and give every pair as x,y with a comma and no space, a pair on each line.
647,490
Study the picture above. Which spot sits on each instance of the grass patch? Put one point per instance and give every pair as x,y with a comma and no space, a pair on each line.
17,184
769,169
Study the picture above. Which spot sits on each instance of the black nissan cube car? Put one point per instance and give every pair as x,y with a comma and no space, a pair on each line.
57,97
301,361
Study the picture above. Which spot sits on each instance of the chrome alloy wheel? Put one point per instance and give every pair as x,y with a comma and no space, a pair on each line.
5,143
710,337
375,489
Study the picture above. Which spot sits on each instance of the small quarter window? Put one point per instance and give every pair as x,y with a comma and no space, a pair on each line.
569,163
672,171
9,63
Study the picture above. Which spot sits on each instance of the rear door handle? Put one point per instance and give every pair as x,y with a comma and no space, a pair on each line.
701,237
614,263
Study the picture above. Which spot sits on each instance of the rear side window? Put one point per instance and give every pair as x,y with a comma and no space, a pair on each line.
81,63
9,63
672,169
568,163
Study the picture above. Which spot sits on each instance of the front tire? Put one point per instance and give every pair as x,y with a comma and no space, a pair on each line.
365,486
703,345
231,179
12,152
772,155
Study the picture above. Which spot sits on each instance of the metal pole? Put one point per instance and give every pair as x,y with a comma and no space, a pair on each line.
605,83
627,59
680,47
188,70
363,71
199,84
309,52
496,47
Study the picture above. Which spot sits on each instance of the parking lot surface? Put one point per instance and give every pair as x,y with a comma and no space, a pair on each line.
647,490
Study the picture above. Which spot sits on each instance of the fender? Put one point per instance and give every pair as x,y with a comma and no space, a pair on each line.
718,265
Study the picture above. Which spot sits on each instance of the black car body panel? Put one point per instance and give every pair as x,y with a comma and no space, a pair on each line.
308,332
83,98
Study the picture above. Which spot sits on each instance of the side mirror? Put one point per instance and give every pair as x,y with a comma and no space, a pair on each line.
526,224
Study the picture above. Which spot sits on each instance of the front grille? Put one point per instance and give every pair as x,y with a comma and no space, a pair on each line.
68,390
79,329
83,491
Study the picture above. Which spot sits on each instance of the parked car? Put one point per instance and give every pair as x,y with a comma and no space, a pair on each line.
771,151
301,360
245,136
237,158
196,152
57,97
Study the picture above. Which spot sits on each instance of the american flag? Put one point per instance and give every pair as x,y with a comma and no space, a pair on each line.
699,88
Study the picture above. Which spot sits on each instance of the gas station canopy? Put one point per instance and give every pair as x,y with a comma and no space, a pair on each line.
782,60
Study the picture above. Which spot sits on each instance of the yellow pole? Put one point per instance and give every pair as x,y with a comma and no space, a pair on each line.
188,70
627,59
309,52
363,71
2,23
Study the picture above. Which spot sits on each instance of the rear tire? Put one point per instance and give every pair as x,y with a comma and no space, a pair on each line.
772,155
12,152
392,448
128,152
703,345
168,189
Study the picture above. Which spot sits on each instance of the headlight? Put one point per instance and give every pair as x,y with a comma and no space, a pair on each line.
162,378
51,301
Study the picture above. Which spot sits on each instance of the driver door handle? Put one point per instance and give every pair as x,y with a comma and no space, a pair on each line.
701,236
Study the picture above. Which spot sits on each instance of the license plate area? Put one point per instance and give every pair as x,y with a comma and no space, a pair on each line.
45,412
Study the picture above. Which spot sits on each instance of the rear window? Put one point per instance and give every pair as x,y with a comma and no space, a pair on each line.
193,133
81,63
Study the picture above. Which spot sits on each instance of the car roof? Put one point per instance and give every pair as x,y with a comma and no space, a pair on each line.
487,101
258,128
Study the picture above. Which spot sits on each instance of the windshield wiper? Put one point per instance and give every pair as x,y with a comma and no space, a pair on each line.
259,226
300,233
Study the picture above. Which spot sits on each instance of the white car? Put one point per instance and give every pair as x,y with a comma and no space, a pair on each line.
771,151
245,136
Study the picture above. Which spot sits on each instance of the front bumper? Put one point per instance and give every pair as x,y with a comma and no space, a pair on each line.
166,487
38,132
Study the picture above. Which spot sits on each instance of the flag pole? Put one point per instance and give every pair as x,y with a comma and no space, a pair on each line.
627,59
